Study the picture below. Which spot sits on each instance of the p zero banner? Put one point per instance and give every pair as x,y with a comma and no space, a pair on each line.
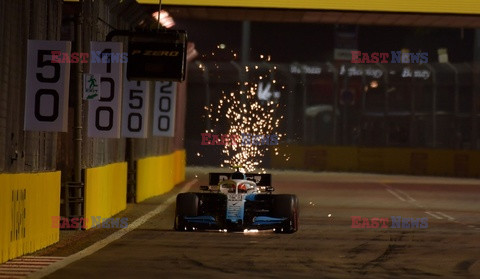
46,94
164,109
136,101
160,56
104,113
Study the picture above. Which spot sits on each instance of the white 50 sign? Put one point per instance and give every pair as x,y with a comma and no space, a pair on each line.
136,101
46,98
164,109
104,114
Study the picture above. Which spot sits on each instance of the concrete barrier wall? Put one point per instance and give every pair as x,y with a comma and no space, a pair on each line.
27,204
105,191
157,175
415,161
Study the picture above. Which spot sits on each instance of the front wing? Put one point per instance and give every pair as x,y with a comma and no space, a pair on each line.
222,212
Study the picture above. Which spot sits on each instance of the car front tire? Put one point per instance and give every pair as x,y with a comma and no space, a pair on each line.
286,206
186,206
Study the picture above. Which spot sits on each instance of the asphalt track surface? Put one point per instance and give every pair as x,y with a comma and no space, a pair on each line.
326,245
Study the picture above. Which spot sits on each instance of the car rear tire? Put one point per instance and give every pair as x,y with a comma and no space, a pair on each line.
187,206
286,206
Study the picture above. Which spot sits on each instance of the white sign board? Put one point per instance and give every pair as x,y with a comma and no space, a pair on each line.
164,109
104,114
136,101
46,94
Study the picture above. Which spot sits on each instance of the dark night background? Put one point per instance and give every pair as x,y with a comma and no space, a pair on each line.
307,43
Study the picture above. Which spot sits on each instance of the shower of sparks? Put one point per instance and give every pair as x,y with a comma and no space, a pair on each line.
243,113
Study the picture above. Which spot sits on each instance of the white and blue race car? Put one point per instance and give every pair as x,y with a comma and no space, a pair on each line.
237,202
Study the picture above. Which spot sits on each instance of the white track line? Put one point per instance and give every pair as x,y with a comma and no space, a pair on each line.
395,194
437,215
407,195
419,205
446,216
433,215
104,242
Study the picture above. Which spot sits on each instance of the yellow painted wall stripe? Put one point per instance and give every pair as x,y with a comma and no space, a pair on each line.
105,191
159,174
417,161
38,196
414,6
180,163
154,176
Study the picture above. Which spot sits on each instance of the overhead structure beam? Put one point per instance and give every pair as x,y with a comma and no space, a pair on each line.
407,6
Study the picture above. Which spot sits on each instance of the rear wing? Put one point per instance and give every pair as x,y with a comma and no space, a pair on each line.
263,179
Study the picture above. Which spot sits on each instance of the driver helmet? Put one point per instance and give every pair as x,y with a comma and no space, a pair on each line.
238,175
242,188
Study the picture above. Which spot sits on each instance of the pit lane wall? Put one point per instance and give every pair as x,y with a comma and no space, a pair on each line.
27,202
159,174
105,191
459,163
106,186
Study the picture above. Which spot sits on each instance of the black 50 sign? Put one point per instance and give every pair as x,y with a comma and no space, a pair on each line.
164,109
46,98
104,114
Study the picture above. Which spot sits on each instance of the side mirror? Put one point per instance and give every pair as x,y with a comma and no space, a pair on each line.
204,188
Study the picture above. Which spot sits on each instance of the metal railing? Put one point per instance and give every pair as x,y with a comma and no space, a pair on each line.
402,105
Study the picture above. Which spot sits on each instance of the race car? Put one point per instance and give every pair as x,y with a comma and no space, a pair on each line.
237,202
